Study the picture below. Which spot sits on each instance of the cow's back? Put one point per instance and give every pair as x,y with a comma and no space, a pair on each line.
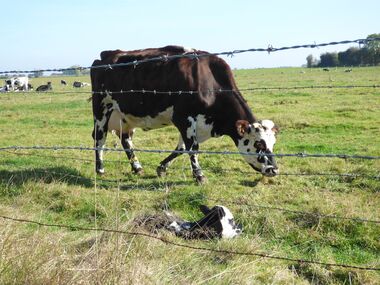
201,75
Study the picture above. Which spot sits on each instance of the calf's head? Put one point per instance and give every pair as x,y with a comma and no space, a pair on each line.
258,138
219,220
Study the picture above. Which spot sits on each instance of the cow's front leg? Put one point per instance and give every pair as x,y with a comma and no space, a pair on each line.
100,135
197,170
126,141
163,167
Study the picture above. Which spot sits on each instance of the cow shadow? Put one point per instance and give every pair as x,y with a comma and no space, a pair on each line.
45,175
251,183
71,176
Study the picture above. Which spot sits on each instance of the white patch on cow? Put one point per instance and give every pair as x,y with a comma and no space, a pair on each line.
162,119
129,122
199,129
175,226
228,228
269,134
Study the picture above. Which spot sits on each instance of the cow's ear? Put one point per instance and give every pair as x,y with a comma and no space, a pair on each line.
276,129
204,209
242,126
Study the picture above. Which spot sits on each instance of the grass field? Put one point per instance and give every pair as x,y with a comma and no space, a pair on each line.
59,187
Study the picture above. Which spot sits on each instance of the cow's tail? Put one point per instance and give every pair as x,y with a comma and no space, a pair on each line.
96,75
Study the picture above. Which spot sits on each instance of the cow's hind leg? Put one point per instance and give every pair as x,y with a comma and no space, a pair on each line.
99,135
164,165
126,141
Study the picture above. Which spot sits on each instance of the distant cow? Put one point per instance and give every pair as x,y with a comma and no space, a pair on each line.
326,69
63,82
44,88
212,107
217,222
77,84
348,70
17,83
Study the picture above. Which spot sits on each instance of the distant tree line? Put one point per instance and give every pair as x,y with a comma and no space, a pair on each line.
367,55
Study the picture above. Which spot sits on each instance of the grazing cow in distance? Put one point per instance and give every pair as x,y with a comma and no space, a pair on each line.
211,106
77,84
217,222
326,69
44,88
63,82
348,70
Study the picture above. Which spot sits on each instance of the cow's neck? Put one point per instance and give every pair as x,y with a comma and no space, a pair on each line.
238,110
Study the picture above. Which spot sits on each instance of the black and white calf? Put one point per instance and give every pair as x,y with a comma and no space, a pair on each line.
217,222
212,106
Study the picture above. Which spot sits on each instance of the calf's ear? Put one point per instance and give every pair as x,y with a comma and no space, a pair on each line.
242,126
204,209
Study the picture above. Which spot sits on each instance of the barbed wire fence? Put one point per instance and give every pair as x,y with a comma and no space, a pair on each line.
195,56
198,248
209,91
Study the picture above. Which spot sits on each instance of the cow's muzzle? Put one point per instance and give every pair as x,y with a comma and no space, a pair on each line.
270,171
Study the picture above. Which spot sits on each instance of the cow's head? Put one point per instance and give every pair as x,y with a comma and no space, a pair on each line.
258,138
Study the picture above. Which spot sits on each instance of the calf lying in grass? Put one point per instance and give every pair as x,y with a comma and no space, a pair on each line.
218,222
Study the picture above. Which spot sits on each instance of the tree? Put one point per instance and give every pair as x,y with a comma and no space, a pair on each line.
310,61
373,49
351,57
329,59
37,73
74,70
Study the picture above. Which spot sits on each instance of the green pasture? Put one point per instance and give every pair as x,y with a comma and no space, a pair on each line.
60,187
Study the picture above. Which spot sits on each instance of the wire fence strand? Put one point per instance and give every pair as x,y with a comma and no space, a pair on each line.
196,56
160,151
215,169
197,248
191,92
118,183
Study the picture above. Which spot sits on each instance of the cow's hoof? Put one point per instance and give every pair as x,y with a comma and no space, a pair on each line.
201,179
161,171
100,171
138,171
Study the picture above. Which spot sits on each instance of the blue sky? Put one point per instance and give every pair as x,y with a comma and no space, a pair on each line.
43,34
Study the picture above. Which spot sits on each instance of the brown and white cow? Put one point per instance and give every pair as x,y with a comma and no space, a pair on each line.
209,111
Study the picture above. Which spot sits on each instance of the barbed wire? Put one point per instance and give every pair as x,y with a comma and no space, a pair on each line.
350,175
198,248
224,201
195,55
191,92
303,213
299,155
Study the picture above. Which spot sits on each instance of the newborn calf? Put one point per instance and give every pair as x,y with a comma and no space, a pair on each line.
218,222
